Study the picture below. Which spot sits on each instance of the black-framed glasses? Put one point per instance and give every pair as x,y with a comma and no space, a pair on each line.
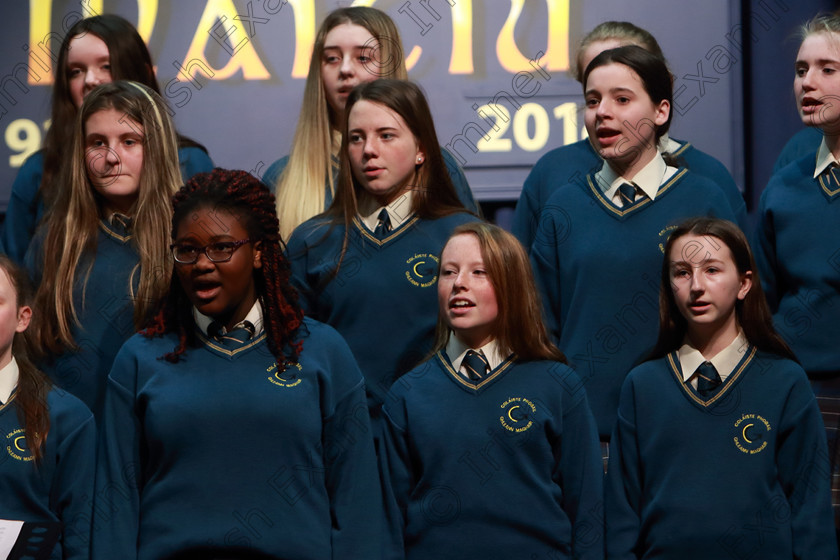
218,252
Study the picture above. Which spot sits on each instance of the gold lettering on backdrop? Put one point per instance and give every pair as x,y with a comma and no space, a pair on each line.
304,11
218,23
462,38
556,53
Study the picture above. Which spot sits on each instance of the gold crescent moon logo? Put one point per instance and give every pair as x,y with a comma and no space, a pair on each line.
17,445
418,263
510,413
744,433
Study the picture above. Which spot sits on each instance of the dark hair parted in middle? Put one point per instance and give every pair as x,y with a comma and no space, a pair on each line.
651,69
753,313
243,196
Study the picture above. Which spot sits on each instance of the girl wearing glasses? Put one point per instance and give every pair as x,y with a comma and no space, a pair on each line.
101,257
246,394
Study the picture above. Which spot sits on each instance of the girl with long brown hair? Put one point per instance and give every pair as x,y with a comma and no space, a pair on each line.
721,425
353,46
494,419
368,265
102,260
94,51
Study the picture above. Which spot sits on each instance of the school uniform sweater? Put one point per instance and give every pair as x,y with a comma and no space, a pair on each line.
508,467
459,180
223,450
598,268
106,313
59,489
800,144
26,206
383,299
797,250
572,163
743,473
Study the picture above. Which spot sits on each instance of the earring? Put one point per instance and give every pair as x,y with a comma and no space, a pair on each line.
419,159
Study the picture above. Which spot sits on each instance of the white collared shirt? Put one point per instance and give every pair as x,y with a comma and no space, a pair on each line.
648,179
8,380
398,211
824,158
457,350
254,316
668,145
724,361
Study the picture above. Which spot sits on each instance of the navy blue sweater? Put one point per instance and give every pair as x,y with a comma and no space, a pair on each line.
507,468
222,450
743,474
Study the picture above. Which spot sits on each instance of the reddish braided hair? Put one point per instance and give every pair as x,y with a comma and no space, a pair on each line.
242,195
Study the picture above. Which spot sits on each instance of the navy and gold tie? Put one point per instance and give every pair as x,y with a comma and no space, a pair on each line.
627,194
708,380
383,226
236,337
475,365
830,180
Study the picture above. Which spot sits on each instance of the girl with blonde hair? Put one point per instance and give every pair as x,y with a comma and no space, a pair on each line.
102,256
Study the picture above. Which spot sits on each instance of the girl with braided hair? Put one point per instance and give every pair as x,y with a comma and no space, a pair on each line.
295,438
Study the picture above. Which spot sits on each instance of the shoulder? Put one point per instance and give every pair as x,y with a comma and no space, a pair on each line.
312,232
30,173
269,178
569,160
425,376
802,143
67,409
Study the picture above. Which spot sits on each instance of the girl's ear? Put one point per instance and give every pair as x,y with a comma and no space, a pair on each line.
663,111
258,254
421,155
24,316
746,284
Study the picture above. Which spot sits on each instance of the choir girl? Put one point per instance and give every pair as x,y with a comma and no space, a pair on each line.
368,265
354,45
102,258
94,51
573,162
797,240
719,449
233,421
49,437
601,236
491,449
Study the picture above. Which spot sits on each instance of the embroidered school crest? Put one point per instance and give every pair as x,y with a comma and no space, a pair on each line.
290,377
421,269
752,433
518,414
16,445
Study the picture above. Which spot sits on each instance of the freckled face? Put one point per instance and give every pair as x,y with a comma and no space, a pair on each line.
466,297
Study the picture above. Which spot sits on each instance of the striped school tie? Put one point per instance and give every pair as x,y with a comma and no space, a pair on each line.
627,194
475,365
383,227
708,379
236,337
